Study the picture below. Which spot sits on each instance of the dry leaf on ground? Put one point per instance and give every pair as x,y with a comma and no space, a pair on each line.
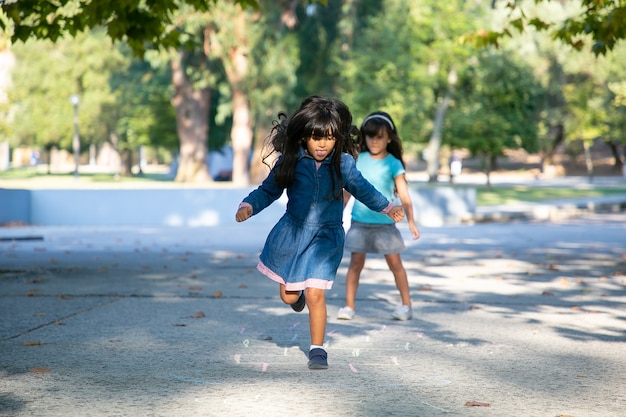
476,404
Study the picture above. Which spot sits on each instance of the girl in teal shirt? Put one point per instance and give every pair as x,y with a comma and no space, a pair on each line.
381,163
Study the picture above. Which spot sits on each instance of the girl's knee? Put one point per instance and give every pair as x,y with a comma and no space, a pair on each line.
315,296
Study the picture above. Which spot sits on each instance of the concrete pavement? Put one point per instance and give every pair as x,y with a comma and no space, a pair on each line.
524,318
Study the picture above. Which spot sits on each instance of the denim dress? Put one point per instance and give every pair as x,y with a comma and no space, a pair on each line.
304,249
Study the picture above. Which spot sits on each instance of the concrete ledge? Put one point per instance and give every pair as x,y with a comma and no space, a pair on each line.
437,206
14,206
434,206
554,210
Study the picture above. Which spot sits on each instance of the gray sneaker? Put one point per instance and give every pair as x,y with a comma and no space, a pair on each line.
403,312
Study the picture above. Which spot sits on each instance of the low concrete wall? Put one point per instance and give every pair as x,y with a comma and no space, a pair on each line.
440,205
434,206
15,206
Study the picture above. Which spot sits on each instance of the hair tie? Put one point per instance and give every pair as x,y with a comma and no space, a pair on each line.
379,116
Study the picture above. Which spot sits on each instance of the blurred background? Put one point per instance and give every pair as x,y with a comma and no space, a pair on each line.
187,93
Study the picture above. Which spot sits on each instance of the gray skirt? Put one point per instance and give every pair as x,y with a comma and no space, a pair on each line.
374,238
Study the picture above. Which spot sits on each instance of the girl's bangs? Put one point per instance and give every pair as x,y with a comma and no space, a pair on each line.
319,128
372,127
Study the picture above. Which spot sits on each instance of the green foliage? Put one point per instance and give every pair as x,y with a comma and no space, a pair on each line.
497,107
598,25
143,24
401,58
45,77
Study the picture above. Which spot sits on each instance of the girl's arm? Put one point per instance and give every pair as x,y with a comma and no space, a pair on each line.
403,193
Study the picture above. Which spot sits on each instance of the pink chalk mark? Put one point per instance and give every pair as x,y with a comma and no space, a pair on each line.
264,366
353,369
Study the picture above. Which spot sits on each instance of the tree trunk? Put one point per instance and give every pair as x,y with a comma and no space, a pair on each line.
237,71
618,163
258,170
434,143
127,163
558,136
192,124
488,159
588,160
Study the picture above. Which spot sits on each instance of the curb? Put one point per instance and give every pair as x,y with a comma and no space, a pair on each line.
556,210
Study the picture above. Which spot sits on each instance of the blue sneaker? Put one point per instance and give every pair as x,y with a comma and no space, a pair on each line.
318,359
298,306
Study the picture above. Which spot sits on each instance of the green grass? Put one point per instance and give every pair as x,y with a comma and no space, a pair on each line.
35,173
516,194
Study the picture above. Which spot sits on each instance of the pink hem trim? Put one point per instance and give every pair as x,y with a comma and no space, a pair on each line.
294,286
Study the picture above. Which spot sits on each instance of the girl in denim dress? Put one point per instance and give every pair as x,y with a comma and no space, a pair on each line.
317,146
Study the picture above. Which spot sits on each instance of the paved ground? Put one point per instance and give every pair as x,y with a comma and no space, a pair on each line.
524,318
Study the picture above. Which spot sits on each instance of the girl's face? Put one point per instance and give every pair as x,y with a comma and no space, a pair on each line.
319,147
377,144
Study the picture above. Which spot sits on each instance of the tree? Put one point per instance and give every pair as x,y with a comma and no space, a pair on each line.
496,108
47,74
596,24
144,25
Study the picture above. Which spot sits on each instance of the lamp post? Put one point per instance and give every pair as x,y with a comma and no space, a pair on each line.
75,100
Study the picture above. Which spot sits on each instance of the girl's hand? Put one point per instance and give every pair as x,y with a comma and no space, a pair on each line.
414,231
396,213
244,213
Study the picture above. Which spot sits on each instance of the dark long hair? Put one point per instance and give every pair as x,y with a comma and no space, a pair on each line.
380,120
316,116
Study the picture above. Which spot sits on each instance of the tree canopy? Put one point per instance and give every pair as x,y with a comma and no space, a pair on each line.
595,24
144,25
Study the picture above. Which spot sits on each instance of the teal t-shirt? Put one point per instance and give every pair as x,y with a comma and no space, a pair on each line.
381,173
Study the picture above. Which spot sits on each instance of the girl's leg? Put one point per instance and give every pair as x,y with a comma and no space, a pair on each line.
399,274
288,297
316,301
357,260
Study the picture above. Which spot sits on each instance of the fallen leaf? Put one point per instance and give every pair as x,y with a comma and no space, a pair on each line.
39,370
217,294
547,293
64,297
425,288
564,281
31,343
115,340
198,315
552,267
474,308
476,404
31,293
36,280
195,288
179,324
